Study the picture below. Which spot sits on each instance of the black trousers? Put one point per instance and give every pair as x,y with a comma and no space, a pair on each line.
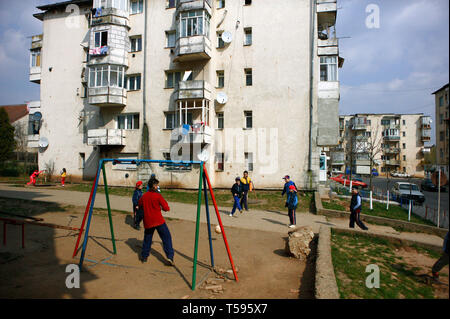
354,217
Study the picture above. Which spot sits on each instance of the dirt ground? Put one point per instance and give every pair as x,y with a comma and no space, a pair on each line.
39,270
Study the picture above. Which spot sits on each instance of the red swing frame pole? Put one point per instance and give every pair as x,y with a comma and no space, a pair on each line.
84,218
205,172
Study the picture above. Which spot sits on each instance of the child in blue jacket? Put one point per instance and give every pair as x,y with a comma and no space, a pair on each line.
292,202
137,212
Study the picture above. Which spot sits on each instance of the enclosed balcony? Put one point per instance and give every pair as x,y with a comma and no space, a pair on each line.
192,48
392,162
189,5
111,12
426,135
99,137
193,121
35,58
359,123
328,47
193,134
326,12
107,85
337,158
391,134
425,122
197,89
391,150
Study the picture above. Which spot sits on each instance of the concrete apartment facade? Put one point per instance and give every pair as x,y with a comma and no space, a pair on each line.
442,127
392,142
252,85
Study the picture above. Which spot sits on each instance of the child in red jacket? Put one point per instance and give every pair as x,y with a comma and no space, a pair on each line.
152,202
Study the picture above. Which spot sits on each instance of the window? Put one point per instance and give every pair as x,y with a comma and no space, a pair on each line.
404,169
248,2
172,78
100,39
220,79
219,161
220,121
404,122
133,82
369,122
220,4
248,77
171,4
118,4
171,39
248,36
404,133
128,121
404,157
441,101
84,91
136,43
404,145
220,43
441,118
385,122
106,75
441,153
189,118
194,22
34,124
328,68
248,119
170,120
249,161
82,160
441,136
35,58
136,6
166,156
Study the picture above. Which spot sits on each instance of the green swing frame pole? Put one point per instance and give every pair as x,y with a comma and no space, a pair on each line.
109,209
197,226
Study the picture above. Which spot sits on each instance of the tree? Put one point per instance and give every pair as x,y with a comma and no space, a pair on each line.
373,148
7,142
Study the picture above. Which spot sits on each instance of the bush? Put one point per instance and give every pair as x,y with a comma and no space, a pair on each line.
9,172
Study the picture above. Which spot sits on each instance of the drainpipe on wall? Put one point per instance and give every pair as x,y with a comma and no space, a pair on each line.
311,86
145,146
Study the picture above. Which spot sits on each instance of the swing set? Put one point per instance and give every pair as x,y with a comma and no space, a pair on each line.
203,181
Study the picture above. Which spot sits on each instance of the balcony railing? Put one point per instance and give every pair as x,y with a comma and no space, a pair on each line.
197,89
425,122
108,96
391,137
33,140
193,134
392,150
188,5
106,137
392,162
192,48
391,126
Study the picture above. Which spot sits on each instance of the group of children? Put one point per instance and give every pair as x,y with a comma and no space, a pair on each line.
35,175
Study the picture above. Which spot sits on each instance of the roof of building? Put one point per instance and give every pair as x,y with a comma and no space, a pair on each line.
15,112
383,114
442,88
62,4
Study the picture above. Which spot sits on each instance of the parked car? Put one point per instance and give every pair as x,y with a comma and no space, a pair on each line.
345,180
427,185
336,171
394,174
406,191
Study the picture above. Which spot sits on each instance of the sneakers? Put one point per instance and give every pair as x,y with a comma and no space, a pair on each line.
291,226
137,227
171,262
231,215
143,259
240,211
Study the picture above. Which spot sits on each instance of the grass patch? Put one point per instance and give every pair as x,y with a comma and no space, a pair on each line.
397,278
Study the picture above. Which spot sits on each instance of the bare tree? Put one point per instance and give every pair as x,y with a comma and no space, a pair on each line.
373,148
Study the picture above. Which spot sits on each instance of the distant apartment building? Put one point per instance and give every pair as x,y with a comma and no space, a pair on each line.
442,126
254,85
392,142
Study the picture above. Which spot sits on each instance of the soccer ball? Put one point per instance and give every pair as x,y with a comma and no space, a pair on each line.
218,230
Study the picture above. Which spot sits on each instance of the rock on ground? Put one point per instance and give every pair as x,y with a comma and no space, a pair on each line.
298,242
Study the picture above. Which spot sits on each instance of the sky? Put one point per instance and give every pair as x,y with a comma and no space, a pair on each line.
391,68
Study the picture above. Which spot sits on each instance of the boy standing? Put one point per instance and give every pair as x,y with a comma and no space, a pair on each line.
152,202
292,202
246,184
355,209
236,190
138,214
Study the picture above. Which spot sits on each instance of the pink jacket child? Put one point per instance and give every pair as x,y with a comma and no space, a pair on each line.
33,177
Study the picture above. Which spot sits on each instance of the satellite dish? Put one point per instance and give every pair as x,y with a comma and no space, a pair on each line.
227,37
43,142
222,97
37,116
203,155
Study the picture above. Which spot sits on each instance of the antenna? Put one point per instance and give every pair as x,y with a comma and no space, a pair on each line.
227,37
222,97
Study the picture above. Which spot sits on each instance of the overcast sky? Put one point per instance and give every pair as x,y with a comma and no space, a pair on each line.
393,68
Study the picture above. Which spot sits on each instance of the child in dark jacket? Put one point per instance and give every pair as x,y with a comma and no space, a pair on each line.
292,202
138,214
236,190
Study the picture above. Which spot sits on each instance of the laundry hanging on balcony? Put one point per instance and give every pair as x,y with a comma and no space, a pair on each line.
185,129
97,12
99,50
196,128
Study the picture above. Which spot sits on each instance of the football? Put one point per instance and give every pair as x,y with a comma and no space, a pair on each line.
218,230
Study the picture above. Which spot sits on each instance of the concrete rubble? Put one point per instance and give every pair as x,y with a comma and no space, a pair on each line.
299,241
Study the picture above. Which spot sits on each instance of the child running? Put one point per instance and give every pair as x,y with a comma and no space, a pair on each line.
236,190
292,202
138,214
152,202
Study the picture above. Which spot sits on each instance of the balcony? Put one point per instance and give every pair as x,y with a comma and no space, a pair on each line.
33,140
426,150
326,12
341,125
115,16
361,162
337,158
328,47
425,122
197,89
195,134
99,137
359,123
426,135
192,48
391,137
328,90
392,162
395,126
391,150
108,96
189,5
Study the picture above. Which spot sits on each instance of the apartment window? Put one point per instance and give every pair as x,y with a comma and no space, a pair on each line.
403,122
220,121
441,136
171,4
136,44
170,120
404,169
220,4
248,119
248,36
369,122
441,101
219,161
84,91
82,160
367,134
385,122
248,2
136,6
118,4
171,38
441,118
172,78
106,75
188,120
404,145
404,157
128,121
133,82
220,79
404,133
100,39
248,77
220,43
35,58
194,22
441,153
249,161
328,68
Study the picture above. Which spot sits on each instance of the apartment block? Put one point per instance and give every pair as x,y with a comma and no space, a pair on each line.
247,85
442,129
390,142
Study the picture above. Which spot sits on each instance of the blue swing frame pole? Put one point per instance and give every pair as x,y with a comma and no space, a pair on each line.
86,234
205,190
